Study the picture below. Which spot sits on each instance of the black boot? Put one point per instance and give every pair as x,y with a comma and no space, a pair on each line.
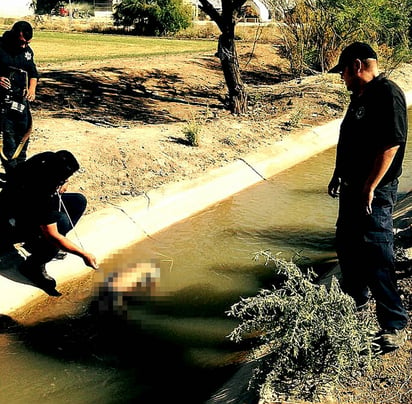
61,255
40,278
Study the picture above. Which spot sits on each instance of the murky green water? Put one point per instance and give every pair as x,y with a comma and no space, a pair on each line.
157,332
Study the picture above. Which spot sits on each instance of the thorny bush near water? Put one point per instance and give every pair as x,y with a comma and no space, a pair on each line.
308,338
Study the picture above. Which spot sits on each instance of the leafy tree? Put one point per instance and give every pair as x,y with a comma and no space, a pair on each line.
393,31
153,17
315,31
43,6
226,21
410,19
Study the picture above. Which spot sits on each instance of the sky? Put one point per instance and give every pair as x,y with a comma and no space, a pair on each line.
15,8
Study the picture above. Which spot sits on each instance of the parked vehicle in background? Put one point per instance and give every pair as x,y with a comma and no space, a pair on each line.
60,10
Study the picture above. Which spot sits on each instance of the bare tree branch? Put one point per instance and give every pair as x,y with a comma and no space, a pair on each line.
208,8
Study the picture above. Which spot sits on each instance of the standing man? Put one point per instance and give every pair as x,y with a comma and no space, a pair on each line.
369,159
18,82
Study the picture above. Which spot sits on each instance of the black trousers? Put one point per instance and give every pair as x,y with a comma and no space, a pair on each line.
14,125
69,212
364,245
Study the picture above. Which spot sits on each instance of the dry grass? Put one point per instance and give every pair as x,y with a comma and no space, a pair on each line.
204,29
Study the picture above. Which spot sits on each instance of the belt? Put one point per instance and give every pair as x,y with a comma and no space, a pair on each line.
348,183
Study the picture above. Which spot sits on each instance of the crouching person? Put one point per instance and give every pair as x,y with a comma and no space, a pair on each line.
36,210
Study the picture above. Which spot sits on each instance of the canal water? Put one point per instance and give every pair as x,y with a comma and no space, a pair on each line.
151,325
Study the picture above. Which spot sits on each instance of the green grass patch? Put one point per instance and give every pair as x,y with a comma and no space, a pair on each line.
58,47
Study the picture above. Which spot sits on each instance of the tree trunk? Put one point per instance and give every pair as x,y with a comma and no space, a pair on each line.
226,21
237,96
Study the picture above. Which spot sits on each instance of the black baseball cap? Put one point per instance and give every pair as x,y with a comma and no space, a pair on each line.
357,50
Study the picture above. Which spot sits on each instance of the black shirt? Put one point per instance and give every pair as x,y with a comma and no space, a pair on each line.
29,195
375,121
16,58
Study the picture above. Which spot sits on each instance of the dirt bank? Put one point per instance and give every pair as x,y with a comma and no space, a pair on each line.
125,120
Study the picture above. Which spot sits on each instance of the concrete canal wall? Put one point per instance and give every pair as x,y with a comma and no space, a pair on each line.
106,232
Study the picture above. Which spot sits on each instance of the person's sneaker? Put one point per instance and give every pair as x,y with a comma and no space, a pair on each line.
390,340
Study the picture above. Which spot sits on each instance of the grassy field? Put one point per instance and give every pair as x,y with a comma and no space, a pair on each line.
59,40
58,47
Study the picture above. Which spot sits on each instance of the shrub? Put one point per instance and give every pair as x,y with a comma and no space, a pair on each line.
192,131
43,6
315,31
153,17
308,338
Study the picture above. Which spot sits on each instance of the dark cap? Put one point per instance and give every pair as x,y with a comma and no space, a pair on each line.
357,50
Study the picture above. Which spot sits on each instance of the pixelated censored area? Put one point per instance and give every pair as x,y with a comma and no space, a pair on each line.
119,284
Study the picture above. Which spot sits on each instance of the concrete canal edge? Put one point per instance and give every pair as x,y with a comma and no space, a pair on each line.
110,230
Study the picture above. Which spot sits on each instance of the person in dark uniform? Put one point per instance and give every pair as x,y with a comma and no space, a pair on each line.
18,83
369,158
36,210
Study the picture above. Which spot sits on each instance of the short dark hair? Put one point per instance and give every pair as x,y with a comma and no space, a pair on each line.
65,164
23,27
43,172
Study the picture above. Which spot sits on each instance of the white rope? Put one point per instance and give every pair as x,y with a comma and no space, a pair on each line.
61,204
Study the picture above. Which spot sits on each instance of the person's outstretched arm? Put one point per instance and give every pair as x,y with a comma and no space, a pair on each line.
52,234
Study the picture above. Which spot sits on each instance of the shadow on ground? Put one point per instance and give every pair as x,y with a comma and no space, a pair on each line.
111,96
